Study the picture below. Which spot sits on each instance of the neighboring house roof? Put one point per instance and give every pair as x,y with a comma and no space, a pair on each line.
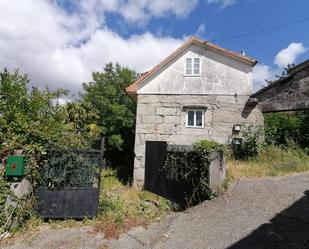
132,89
291,72
299,67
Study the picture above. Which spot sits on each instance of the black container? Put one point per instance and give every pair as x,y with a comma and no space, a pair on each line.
74,203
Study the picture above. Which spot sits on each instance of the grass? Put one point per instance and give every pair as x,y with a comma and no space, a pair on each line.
271,161
121,207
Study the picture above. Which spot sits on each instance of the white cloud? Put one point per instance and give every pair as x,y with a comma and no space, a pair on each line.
222,3
289,55
143,10
261,73
284,57
62,49
201,30
138,52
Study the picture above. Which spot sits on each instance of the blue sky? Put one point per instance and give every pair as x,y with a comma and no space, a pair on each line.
244,16
60,42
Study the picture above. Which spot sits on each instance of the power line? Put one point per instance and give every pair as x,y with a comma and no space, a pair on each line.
261,31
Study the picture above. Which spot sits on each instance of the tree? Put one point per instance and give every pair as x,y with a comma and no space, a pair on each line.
116,111
32,120
33,116
82,116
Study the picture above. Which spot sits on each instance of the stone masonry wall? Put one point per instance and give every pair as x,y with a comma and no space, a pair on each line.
163,118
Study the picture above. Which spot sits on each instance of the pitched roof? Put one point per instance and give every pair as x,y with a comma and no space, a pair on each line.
299,67
291,72
132,89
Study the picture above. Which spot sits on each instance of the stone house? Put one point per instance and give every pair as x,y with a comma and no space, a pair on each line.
200,91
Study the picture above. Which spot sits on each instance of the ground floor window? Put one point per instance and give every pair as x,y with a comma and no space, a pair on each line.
195,118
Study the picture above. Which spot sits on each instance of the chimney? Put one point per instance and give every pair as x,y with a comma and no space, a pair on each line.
243,52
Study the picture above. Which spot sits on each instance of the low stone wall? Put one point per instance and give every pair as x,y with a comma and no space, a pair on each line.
217,172
217,167
163,118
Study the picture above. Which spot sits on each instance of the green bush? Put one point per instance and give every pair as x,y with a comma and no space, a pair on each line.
32,120
3,193
289,129
252,143
281,128
69,168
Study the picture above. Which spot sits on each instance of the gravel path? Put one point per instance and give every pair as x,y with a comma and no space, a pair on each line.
257,213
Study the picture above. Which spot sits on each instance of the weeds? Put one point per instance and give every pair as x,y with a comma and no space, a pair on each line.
122,207
271,161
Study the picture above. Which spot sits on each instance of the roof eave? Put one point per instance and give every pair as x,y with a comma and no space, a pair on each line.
132,95
229,53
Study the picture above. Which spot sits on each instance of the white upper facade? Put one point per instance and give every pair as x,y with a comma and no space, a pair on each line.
219,74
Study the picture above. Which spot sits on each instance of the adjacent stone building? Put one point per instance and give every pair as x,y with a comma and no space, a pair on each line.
290,93
201,91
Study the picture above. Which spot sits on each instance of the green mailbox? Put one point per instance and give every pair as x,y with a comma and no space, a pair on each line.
15,166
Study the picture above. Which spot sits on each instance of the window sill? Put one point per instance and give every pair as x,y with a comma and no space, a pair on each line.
192,75
195,127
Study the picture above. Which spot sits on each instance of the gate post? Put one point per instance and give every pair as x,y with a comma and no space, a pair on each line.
217,171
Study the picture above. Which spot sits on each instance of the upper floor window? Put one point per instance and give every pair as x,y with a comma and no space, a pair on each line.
193,66
195,118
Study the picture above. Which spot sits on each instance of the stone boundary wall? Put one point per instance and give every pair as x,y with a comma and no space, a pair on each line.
163,118
217,168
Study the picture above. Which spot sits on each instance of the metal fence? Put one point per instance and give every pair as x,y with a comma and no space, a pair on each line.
71,168
70,183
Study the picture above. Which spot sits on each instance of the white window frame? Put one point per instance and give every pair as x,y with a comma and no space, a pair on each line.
192,67
194,121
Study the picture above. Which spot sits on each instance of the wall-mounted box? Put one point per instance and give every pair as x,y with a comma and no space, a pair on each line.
237,127
237,141
15,165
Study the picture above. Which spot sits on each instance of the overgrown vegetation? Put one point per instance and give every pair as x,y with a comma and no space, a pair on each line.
192,168
106,96
271,161
3,194
281,148
121,207
31,120
282,129
252,144
69,168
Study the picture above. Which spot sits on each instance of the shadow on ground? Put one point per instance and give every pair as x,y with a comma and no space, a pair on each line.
289,229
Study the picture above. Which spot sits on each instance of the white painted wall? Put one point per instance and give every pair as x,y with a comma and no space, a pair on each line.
220,75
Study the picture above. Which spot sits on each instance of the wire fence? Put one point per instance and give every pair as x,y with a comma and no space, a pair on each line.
74,168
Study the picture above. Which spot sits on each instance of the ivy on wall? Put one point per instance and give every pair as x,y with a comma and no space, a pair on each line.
192,167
